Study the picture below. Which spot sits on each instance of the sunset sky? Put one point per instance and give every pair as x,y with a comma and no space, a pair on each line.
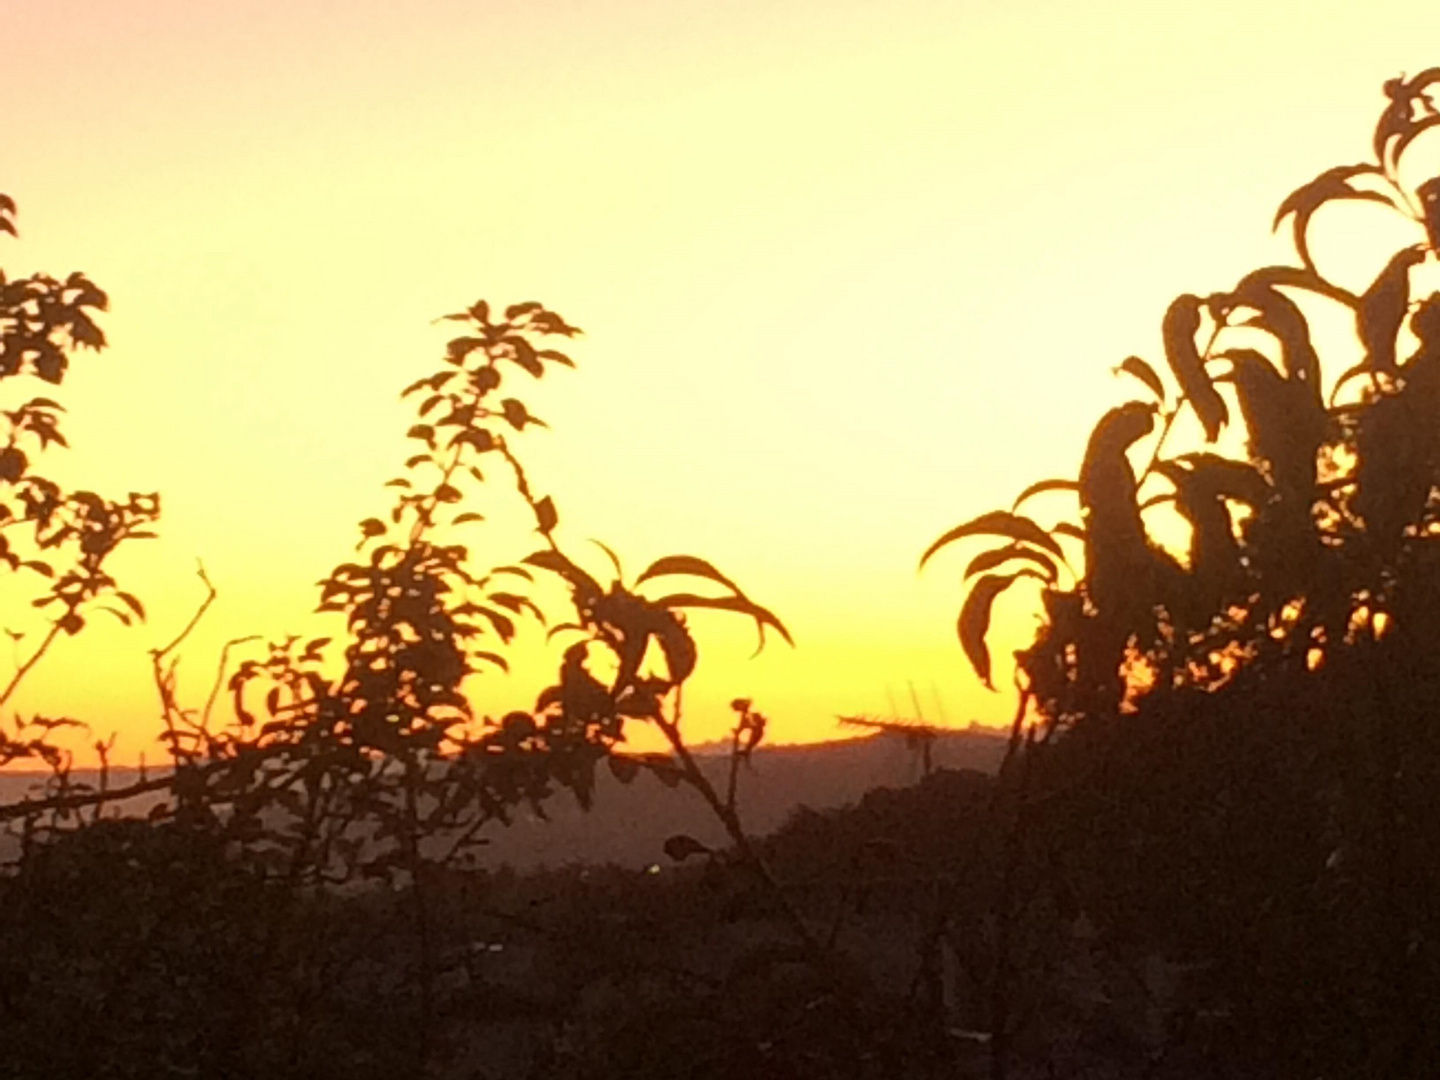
849,272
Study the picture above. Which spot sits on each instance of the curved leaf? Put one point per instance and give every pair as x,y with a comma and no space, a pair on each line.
1329,186
1286,423
1282,317
1225,478
989,560
584,585
762,617
1409,135
1395,121
974,621
1116,547
689,565
1295,277
997,523
614,559
1429,193
1139,369
1382,307
1042,486
678,647
1181,323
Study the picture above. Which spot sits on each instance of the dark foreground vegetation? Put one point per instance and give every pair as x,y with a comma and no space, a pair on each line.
1210,851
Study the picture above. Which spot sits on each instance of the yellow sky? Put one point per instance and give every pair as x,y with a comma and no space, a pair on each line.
850,272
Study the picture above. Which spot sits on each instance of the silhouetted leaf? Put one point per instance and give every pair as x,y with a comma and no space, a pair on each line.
372,527
12,463
559,564
974,622
622,768
461,347
517,415
614,559
1139,369
1180,325
989,560
1285,421
1416,128
1042,486
1282,317
1382,308
556,356
503,625
685,564
680,847
1429,193
546,517
679,649
1330,185
762,617
1295,277
997,523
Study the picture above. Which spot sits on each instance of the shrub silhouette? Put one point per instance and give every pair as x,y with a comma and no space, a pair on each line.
1228,756
383,773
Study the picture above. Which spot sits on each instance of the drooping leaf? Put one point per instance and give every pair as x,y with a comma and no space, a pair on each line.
974,622
1179,327
1139,369
1382,308
989,560
504,626
678,647
1429,193
1295,277
1117,552
1286,423
1281,316
556,563
762,617
997,523
1331,185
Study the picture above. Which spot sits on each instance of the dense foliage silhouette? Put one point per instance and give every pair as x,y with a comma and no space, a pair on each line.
1211,849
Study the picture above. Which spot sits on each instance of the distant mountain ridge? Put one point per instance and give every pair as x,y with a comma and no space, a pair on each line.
629,823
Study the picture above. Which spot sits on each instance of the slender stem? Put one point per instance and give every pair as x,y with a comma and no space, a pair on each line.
25,668
220,676
730,819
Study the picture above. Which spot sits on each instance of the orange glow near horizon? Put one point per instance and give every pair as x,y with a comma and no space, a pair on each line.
849,274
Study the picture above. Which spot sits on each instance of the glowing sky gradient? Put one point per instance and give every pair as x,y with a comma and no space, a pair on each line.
849,274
